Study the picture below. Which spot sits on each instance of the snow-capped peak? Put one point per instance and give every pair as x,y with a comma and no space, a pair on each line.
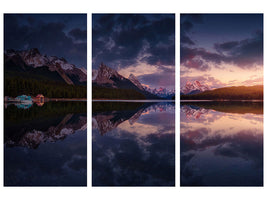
64,64
35,59
161,92
193,86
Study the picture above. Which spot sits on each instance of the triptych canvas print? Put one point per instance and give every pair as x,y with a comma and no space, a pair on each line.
134,98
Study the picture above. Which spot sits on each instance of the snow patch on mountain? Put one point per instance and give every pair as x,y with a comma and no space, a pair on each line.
33,58
161,92
64,65
194,87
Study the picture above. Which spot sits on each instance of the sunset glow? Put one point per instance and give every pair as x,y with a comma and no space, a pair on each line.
222,50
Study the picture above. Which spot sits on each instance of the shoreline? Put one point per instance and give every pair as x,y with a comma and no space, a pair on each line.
132,100
65,99
49,99
225,100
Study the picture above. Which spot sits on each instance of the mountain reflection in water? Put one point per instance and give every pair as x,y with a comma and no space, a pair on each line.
46,146
133,144
221,144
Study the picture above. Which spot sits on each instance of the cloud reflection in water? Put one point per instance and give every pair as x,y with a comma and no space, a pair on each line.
224,151
138,148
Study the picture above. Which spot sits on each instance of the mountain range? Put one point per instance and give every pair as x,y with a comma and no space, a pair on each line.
35,65
161,92
107,82
194,87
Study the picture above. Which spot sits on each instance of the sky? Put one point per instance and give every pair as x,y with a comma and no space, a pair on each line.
221,50
141,44
61,35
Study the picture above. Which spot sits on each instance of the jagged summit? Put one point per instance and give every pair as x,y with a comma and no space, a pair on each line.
33,58
105,75
194,87
161,92
135,81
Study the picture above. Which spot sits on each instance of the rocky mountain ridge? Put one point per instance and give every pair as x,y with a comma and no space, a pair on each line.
34,59
161,92
194,88
107,77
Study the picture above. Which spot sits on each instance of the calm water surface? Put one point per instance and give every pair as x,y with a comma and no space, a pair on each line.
221,144
133,144
45,145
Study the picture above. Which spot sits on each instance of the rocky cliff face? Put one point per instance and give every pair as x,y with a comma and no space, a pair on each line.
106,75
135,81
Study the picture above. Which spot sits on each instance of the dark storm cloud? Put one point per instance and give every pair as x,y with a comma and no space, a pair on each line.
158,79
186,40
161,56
225,46
120,40
245,54
78,34
194,18
186,26
29,31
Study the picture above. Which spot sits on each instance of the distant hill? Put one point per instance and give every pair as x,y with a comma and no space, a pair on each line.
229,93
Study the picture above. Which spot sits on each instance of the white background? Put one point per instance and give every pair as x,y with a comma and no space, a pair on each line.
128,6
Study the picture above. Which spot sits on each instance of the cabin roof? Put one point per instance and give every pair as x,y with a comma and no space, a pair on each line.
40,95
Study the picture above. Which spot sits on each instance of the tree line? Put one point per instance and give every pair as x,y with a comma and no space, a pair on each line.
229,93
115,93
15,86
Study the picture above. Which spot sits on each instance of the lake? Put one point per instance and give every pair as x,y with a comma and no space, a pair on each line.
221,144
45,145
133,144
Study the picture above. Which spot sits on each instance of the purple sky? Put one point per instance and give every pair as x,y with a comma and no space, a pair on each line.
222,49
61,35
141,44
